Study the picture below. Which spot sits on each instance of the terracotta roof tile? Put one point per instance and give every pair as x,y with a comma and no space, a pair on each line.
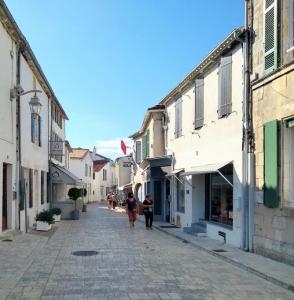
78,153
99,164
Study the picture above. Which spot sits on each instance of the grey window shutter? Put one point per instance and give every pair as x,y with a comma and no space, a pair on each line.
176,120
199,103
180,113
270,35
32,127
225,86
138,151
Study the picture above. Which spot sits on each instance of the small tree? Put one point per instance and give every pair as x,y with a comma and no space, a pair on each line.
74,194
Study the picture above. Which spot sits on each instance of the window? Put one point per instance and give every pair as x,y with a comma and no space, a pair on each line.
90,171
288,163
86,170
104,175
145,141
270,35
56,138
225,86
221,196
199,103
42,187
178,118
107,190
31,189
180,196
102,190
56,115
36,126
138,151
93,175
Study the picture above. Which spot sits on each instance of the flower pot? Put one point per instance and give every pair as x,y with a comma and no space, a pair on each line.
76,214
43,226
84,209
56,218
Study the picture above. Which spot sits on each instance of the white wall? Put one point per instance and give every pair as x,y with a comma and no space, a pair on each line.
218,141
77,167
33,156
123,174
8,122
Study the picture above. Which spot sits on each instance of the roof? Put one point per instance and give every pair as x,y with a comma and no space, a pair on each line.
99,164
150,110
98,156
27,52
67,144
78,153
210,59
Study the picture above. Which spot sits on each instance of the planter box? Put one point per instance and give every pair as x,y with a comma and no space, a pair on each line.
56,218
43,226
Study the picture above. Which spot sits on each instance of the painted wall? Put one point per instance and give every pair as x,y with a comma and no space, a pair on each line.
218,141
108,183
8,123
122,174
33,156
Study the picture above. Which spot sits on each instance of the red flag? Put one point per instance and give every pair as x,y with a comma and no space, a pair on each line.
123,147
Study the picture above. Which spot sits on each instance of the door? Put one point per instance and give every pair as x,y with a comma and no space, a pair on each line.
4,198
167,200
157,199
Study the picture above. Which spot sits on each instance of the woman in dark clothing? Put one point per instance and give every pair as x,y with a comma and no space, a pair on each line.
148,211
131,207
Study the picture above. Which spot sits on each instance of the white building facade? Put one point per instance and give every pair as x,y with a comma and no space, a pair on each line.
204,138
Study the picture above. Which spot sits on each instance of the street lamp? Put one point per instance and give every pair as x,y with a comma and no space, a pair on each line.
35,104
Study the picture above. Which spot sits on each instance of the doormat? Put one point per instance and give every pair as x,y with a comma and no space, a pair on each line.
84,253
219,250
168,226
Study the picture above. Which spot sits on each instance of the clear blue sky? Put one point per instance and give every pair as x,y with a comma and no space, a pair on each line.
109,60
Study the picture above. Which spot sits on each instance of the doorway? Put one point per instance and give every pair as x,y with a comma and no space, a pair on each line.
4,198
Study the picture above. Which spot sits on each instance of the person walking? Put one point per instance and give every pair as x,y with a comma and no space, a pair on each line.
148,211
131,206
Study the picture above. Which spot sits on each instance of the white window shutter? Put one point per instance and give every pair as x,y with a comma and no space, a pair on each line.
199,103
270,35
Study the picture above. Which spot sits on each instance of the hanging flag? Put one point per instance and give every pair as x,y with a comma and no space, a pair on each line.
123,147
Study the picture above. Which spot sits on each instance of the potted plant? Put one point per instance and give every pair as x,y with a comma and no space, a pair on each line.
56,212
83,192
74,194
44,220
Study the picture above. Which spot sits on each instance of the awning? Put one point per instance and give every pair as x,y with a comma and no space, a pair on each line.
174,172
206,169
61,175
126,186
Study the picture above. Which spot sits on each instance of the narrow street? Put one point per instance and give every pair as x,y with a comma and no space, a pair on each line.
130,264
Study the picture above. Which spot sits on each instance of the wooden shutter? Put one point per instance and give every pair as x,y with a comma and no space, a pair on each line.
180,113
31,189
147,143
42,187
270,35
176,120
33,127
271,164
40,130
138,151
199,103
225,86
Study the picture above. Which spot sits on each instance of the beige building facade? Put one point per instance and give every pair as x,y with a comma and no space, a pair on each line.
273,127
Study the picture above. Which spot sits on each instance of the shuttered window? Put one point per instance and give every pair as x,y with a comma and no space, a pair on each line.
36,129
271,164
138,151
40,131
291,24
178,118
199,103
270,35
42,187
33,127
31,189
225,86
146,145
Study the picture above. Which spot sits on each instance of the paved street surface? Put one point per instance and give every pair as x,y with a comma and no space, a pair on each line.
130,264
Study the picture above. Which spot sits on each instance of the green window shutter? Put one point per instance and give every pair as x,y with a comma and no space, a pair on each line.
271,164
144,146
199,103
147,143
270,35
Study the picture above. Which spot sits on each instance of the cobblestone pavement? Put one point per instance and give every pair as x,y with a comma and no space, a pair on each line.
130,264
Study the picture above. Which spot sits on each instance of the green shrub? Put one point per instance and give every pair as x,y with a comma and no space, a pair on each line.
74,194
45,216
55,211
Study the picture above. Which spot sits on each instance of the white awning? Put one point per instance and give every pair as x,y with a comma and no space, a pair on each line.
205,169
61,175
174,172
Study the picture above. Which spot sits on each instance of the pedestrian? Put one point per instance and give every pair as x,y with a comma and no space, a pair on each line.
114,201
131,206
109,200
148,211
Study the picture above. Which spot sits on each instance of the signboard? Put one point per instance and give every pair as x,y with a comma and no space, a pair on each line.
56,148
